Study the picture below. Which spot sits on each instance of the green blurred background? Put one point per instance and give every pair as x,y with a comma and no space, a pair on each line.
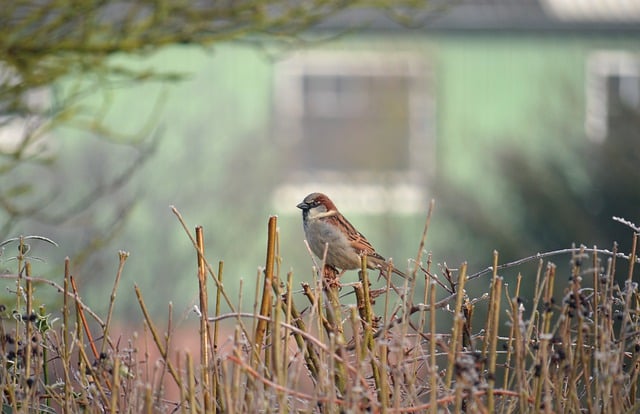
521,122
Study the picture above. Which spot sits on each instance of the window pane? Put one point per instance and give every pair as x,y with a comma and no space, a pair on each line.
356,123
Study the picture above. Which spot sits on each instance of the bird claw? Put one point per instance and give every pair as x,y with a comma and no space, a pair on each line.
332,276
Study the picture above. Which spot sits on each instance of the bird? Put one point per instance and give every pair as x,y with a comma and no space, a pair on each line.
324,226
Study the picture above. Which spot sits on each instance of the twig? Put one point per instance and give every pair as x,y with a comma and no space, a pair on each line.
122,255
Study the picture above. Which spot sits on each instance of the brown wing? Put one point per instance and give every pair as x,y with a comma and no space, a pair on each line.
359,243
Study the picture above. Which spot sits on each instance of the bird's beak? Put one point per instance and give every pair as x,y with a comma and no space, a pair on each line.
303,206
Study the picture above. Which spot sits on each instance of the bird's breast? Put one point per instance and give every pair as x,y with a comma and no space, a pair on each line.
340,253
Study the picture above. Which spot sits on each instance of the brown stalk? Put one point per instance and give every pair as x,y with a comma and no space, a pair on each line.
514,326
423,239
122,256
265,306
66,335
279,338
489,328
286,306
578,358
115,391
217,394
519,351
83,319
433,378
377,360
85,365
148,400
458,323
629,291
606,336
336,335
45,358
225,394
308,292
182,390
236,379
539,290
22,251
204,324
597,299
261,325
156,338
310,356
423,311
191,384
542,359
29,326
366,320
167,346
493,340
358,335
254,356
383,373
278,347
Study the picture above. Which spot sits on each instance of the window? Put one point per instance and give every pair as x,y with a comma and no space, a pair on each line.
613,92
358,124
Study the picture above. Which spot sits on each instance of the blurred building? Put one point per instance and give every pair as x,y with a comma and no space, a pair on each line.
376,116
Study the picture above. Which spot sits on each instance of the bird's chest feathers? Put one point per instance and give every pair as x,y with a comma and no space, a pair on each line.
321,231
319,228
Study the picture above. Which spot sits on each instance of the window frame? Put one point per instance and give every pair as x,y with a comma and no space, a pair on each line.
394,189
601,66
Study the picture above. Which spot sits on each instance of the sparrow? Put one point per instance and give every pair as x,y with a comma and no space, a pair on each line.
325,225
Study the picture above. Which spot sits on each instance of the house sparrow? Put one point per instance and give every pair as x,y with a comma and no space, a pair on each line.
324,224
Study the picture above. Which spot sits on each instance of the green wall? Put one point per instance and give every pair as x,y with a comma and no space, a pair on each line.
217,163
